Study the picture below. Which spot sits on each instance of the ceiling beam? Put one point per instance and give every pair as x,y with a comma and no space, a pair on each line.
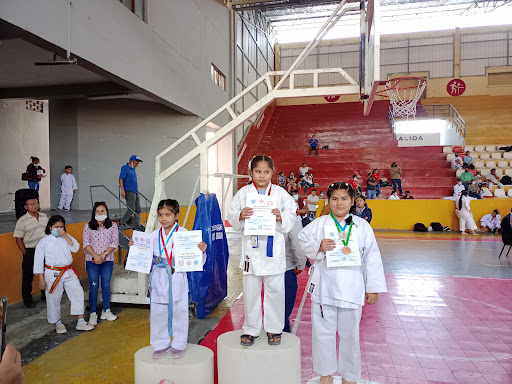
64,91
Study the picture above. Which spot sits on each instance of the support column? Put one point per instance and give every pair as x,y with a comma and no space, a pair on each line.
456,53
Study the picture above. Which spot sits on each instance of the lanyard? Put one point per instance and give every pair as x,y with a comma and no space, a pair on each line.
340,229
266,193
165,243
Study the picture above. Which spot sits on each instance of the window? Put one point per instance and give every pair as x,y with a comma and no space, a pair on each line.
136,6
218,78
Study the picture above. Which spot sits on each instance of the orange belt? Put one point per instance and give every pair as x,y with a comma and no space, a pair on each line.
61,270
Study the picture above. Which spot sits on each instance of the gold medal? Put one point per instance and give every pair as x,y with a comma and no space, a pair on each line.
346,250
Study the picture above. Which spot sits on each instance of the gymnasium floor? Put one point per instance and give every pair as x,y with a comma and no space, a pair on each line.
447,318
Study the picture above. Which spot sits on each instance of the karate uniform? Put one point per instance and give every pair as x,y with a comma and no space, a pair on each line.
55,252
159,298
464,214
263,268
491,222
338,295
68,185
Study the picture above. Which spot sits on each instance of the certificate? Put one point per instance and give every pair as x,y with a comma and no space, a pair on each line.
187,255
140,256
263,221
338,258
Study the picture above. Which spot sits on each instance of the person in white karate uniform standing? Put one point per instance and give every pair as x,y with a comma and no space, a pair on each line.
338,293
263,257
463,212
67,189
52,262
168,314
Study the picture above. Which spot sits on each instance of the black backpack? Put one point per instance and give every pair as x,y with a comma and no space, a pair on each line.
436,227
506,180
420,227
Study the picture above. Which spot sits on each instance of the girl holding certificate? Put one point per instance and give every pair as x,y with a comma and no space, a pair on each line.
263,250
168,289
347,272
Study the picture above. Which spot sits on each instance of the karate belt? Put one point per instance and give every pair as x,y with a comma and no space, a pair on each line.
163,263
61,270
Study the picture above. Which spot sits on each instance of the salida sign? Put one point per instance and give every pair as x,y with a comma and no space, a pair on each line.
418,139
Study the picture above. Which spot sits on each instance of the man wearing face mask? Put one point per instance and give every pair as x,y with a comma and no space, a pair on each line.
30,229
458,188
130,192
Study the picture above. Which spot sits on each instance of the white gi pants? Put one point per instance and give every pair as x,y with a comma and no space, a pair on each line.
159,332
346,322
68,282
466,221
65,200
273,304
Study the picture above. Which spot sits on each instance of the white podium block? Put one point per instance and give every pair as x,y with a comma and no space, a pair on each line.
195,367
259,363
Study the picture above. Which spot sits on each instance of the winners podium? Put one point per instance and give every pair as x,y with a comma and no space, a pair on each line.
259,363
195,367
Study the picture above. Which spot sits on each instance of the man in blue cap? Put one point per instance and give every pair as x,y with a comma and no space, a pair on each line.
130,192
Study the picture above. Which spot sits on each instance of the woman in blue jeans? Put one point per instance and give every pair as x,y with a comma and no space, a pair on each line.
396,179
101,239
34,173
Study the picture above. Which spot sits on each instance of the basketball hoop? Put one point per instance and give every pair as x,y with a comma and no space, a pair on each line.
404,93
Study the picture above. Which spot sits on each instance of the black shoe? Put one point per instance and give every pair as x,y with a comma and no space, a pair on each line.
29,304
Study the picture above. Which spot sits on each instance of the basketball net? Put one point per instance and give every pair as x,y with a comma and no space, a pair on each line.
404,93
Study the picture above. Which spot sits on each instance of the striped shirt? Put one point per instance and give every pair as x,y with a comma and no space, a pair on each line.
30,229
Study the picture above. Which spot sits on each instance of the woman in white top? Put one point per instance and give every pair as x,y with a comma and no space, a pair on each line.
52,262
393,196
341,284
463,212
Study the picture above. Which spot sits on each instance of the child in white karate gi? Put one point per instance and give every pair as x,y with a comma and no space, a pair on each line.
463,212
491,221
263,257
338,293
52,262
168,302
67,189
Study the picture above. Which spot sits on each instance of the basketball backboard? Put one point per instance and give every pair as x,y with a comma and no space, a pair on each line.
370,53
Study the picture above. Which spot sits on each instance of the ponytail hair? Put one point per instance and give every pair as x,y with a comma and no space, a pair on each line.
462,194
34,158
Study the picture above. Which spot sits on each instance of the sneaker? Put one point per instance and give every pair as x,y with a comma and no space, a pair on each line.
59,209
85,326
176,353
160,354
60,329
108,315
93,318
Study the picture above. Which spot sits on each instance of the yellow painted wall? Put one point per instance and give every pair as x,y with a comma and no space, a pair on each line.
11,257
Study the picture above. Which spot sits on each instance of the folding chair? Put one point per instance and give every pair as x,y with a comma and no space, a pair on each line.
509,248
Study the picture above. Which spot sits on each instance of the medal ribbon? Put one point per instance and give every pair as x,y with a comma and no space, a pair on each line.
270,239
169,259
340,229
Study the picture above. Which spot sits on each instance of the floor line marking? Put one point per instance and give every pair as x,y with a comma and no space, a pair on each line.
503,357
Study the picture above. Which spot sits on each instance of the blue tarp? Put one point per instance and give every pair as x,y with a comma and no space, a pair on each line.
209,287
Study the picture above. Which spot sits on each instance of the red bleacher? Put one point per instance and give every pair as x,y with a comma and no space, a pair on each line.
357,145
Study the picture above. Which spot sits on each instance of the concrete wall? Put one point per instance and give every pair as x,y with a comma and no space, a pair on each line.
105,133
24,133
169,56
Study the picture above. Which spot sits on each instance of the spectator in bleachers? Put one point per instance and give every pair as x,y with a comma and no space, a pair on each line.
362,209
376,176
313,203
474,190
408,196
370,187
457,162
313,145
458,188
478,179
466,177
303,170
491,221
354,184
281,179
463,212
393,196
396,179
492,179
468,160
291,182
307,182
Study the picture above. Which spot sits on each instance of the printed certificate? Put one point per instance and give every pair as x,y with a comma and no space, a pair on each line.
140,256
263,221
342,256
187,255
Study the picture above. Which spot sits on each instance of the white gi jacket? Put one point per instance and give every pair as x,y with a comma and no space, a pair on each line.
55,252
259,263
343,287
68,183
491,222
